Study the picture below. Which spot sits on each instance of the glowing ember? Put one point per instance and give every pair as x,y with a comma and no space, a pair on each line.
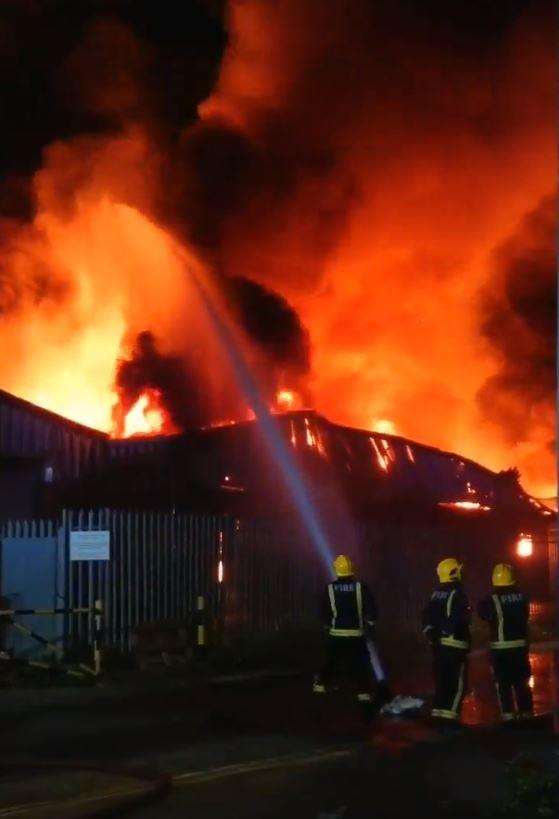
524,545
285,400
409,452
470,506
146,416
390,454
293,434
382,460
311,440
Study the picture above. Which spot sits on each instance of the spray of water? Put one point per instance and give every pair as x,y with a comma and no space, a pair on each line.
277,447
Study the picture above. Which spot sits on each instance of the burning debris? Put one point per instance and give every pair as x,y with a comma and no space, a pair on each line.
350,248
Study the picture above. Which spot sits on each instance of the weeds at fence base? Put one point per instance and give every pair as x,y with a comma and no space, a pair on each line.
531,792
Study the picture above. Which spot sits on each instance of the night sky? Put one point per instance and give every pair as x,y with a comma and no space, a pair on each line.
40,99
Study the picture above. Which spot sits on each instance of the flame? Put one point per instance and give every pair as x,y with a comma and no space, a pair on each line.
525,545
469,506
393,307
384,425
390,303
146,416
285,399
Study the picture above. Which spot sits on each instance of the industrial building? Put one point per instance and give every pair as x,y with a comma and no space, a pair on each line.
382,490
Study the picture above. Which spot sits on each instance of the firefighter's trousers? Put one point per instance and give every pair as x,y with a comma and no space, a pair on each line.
511,667
450,673
348,657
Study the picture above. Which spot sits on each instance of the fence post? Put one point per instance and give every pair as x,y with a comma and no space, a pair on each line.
98,636
553,546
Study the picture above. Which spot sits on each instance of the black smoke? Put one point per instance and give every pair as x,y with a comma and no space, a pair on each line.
519,321
274,328
149,368
226,188
282,359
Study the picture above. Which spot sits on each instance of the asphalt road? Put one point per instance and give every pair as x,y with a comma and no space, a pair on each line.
264,750
339,784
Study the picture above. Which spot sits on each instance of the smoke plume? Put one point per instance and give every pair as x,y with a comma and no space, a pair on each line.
350,177
519,321
279,351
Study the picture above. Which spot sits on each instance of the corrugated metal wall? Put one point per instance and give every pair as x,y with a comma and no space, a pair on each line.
161,562
29,432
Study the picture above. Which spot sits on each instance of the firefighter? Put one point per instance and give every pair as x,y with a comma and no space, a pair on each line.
446,623
349,613
507,611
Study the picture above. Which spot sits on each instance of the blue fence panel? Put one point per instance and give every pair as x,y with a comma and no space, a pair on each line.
32,578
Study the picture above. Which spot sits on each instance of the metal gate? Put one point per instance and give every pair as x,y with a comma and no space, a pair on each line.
254,576
159,563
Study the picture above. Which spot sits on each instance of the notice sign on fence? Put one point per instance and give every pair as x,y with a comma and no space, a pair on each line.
90,545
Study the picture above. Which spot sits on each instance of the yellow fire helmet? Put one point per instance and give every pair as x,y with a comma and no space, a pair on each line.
343,566
503,575
449,570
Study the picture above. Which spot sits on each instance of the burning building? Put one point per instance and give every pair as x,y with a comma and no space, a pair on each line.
375,212
388,487
363,189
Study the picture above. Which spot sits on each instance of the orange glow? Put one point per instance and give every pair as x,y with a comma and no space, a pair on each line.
220,571
392,309
383,239
146,417
525,545
114,272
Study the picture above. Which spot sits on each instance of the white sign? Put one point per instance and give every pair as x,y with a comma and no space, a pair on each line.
90,545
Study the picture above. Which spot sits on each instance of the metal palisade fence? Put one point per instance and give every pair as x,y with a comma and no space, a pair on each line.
254,576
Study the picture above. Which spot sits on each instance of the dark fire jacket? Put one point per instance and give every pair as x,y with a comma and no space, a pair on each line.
507,611
447,617
348,606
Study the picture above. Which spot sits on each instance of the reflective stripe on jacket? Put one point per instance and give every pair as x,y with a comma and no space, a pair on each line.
447,616
348,607
507,611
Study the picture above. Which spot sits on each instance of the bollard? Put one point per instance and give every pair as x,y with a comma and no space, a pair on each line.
200,622
97,637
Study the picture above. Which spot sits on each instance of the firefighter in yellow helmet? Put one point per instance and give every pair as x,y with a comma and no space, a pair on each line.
446,623
507,611
348,611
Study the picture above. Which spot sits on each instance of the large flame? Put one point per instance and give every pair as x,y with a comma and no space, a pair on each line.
392,304
146,416
116,272
447,159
